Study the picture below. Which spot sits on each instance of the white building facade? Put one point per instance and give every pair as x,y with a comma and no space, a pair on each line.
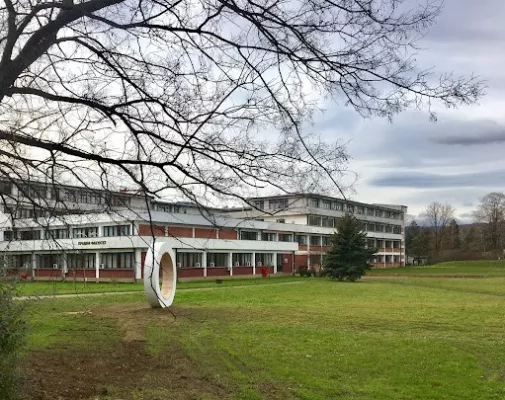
277,235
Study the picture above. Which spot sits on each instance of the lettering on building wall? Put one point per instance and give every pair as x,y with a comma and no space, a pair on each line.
92,243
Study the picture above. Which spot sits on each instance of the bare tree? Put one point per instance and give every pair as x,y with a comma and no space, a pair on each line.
491,212
438,218
205,99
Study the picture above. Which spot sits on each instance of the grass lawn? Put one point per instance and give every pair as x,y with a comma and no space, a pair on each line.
389,338
52,288
486,268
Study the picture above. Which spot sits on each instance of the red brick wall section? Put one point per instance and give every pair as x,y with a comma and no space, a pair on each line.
302,247
179,231
227,234
216,271
205,233
117,273
287,263
245,270
191,272
48,273
81,273
157,230
300,260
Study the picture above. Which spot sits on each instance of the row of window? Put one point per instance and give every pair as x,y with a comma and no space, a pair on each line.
332,222
77,233
74,195
125,230
273,204
170,208
80,260
341,206
195,260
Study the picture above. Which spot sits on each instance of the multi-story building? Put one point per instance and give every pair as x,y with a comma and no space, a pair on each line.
383,223
103,239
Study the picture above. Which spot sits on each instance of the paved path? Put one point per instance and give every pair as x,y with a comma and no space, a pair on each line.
71,295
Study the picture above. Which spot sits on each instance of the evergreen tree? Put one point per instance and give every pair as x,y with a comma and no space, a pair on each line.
455,235
411,234
349,257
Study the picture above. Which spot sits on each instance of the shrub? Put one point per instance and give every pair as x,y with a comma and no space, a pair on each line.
12,334
303,270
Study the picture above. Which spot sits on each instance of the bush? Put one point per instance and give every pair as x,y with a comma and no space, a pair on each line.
303,270
12,334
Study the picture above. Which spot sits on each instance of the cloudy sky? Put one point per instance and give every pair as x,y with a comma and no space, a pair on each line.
461,157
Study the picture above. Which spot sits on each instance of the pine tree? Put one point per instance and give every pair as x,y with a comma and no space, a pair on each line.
349,258
455,235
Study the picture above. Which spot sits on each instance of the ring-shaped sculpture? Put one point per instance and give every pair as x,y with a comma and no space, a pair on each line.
160,265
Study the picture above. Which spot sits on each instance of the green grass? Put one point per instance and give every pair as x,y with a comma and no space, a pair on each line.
390,338
453,268
52,288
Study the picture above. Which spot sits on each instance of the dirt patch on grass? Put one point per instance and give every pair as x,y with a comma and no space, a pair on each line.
125,370
65,373
129,369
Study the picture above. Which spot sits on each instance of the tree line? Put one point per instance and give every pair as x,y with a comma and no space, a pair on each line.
436,235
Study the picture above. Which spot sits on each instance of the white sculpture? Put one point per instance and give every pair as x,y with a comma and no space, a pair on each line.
160,258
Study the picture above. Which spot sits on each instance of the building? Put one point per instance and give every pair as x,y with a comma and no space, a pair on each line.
105,235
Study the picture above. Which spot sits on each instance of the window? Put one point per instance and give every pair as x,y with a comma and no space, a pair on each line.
247,235
268,237
116,230
116,260
5,187
350,208
285,237
276,204
370,243
280,221
87,232
260,204
389,228
313,202
84,197
335,205
315,240
56,234
387,214
314,220
326,241
189,260
328,222
370,227
217,259
370,211
301,239
397,229
242,259
81,261
48,261
30,235
17,261
33,191
361,210
326,204
379,227
378,213
71,195
10,235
